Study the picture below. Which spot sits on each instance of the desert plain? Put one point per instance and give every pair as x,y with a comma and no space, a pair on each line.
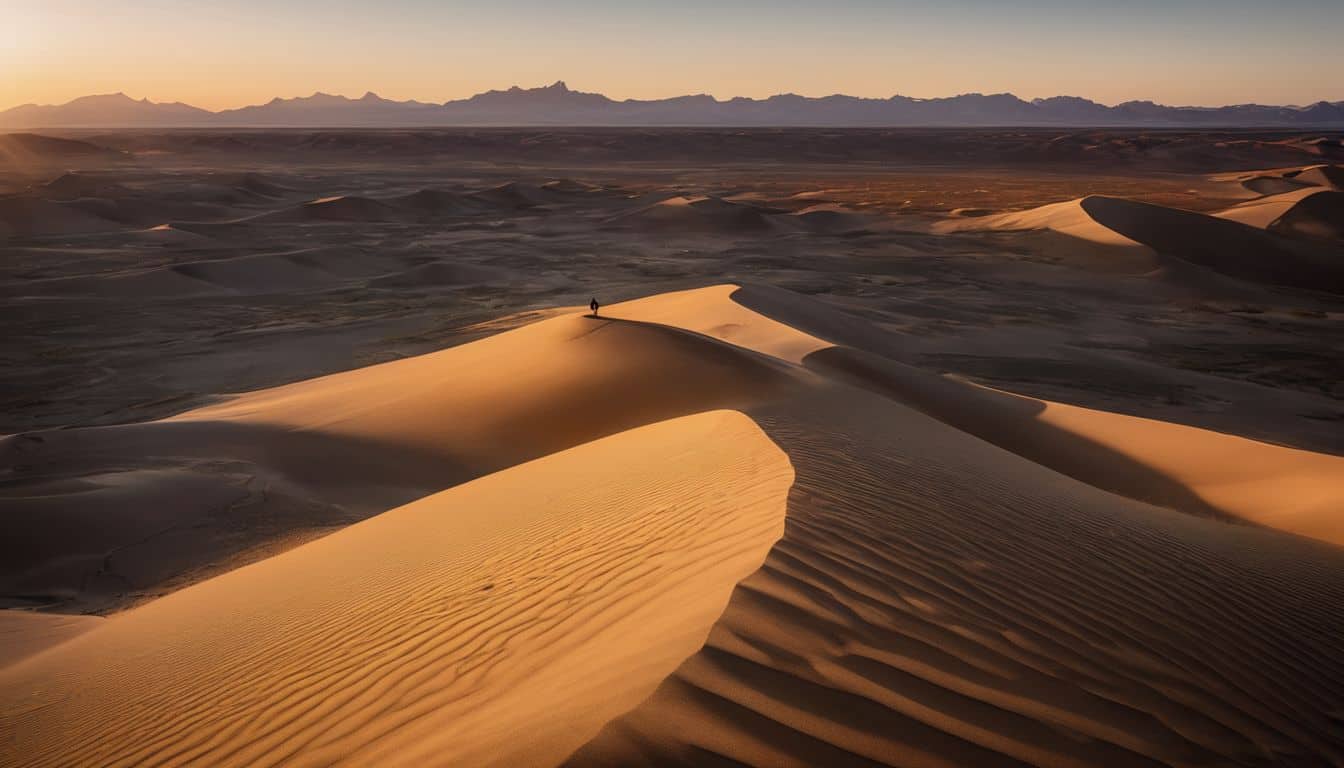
910,447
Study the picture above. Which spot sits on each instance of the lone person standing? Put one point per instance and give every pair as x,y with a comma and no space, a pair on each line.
593,305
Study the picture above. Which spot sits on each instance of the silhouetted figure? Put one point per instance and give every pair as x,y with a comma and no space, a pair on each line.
593,305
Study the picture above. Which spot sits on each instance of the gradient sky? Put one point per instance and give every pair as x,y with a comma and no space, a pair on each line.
228,53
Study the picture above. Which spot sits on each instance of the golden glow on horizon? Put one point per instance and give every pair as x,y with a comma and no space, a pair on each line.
218,58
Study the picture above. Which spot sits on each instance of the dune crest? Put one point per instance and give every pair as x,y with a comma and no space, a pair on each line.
300,458
501,622
1117,234
697,529
1311,212
942,602
1195,471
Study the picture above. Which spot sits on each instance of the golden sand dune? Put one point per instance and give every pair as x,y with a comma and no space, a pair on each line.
1068,231
1264,211
254,469
1311,212
702,214
943,602
830,218
1115,234
1171,465
501,622
963,576
23,633
1279,180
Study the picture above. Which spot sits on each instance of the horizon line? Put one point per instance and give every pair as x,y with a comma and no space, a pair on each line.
562,84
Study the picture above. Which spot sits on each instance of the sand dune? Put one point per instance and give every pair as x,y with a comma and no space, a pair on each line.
423,205
1310,212
337,209
1125,235
511,196
1322,175
169,234
714,312
24,150
440,273
69,186
1280,180
22,216
295,272
828,218
942,602
437,202
24,634
702,214
256,470
1170,465
570,186
1069,232
498,623
693,531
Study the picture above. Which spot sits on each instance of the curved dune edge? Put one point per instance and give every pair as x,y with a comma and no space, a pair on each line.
1292,490
712,312
242,477
1068,232
940,595
1262,212
23,633
1172,465
1191,470
500,622
1112,234
938,601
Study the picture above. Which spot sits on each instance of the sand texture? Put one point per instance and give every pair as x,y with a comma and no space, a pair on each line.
312,453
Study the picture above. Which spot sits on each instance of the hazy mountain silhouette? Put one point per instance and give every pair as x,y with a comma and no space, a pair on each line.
556,104
104,110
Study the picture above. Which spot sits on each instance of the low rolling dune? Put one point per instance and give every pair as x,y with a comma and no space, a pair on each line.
710,527
701,214
1310,212
1128,236
899,448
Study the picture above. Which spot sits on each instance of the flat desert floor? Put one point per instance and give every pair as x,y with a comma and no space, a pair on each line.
886,447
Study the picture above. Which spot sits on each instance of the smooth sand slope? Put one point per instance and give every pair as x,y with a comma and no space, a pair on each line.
963,576
1172,465
1112,234
1309,212
24,633
498,623
106,512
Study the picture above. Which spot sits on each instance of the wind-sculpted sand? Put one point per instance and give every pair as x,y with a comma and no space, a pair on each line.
1117,235
823,575
213,484
1025,454
498,623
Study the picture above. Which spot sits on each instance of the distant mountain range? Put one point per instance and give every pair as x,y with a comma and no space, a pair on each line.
558,105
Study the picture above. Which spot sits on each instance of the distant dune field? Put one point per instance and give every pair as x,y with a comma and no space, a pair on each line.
313,454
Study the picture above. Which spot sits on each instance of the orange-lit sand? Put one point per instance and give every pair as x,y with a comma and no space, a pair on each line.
702,531
501,622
